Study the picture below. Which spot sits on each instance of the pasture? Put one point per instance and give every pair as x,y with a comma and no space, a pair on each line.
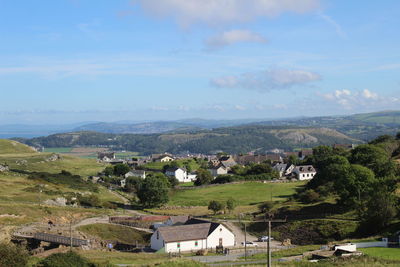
383,253
247,193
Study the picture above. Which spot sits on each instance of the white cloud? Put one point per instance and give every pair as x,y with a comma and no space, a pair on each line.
233,36
268,80
239,107
334,24
216,12
356,99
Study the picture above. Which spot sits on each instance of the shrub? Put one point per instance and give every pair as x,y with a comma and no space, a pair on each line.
12,255
309,196
91,200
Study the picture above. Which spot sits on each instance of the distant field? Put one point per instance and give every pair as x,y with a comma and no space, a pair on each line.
248,193
58,149
383,253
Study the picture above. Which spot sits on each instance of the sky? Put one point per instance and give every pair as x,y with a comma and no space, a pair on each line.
70,61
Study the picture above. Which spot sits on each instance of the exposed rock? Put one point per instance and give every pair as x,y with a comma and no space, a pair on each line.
4,168
60,201
53,157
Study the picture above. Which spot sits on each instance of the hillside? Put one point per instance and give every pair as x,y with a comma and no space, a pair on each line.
11,147
239,139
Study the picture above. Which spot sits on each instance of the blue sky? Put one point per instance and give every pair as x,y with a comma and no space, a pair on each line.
83,60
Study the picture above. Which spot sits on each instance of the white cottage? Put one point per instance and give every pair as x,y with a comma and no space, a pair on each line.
305,172
179,173
192,237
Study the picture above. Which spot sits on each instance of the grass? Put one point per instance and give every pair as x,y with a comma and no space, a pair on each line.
383,253
299,250
10,147
189,184
117,233
58,149
136,259
248,193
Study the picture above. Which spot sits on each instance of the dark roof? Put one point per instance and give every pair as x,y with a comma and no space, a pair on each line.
174,169
305,168
181,219
213,225
185,232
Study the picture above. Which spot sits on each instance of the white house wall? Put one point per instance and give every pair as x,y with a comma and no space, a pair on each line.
185,246
228,238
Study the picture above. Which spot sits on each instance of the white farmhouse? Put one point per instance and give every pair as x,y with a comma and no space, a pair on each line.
305,172
179,173
192,237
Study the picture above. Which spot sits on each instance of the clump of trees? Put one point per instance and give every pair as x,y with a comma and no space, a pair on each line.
153,190
217,206
364,179
117,170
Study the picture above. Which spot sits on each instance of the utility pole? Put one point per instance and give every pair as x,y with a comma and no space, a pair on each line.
70,234
245,242
269,237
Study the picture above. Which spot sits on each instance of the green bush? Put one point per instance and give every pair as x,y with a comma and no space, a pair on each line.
12,255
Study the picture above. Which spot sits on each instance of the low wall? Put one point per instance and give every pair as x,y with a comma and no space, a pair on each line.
372,244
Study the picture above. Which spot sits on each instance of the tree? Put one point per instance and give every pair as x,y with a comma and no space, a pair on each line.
230,204
266,207
374,158
203,177
108,171
293,160
355,185
380,210
12,255
153,192
398,136
133,184
216,206
259,169
121,169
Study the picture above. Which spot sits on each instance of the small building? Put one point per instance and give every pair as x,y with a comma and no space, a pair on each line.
136,173
162,157
106,156
179,173
227,161
305,172
283,169
192,237
219,170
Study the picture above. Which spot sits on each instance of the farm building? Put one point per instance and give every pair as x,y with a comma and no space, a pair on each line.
194,235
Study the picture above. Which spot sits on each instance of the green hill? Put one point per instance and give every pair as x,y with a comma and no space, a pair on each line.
14,147
240,139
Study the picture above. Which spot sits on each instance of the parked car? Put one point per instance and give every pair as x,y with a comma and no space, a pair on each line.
250,244
264,238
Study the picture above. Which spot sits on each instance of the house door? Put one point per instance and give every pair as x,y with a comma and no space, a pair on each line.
220,242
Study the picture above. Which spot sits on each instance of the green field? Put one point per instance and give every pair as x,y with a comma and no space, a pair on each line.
10,147
58,149
159,165
118,233
248,193
383,253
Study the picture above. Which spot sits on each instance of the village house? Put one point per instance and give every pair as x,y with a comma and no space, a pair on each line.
193,236
248,159
179,173
162,157
136,173
283,169
106,156
305,172
218,170
227,161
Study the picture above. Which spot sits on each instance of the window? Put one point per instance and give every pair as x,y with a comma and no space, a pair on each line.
220,229
158,235
178,245
196,243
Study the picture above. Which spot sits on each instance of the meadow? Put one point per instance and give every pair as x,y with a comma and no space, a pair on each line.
383,253
246,193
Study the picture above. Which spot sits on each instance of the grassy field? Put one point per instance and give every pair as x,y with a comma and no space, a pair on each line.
58,150
383,253
136,259
118,233
9,146
248,193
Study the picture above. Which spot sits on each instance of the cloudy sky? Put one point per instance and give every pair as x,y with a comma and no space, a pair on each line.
97,60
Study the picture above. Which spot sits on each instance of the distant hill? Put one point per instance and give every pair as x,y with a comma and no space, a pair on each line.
240,139
14,147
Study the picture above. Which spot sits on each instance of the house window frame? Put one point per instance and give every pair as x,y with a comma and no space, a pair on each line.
178,245
196,243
